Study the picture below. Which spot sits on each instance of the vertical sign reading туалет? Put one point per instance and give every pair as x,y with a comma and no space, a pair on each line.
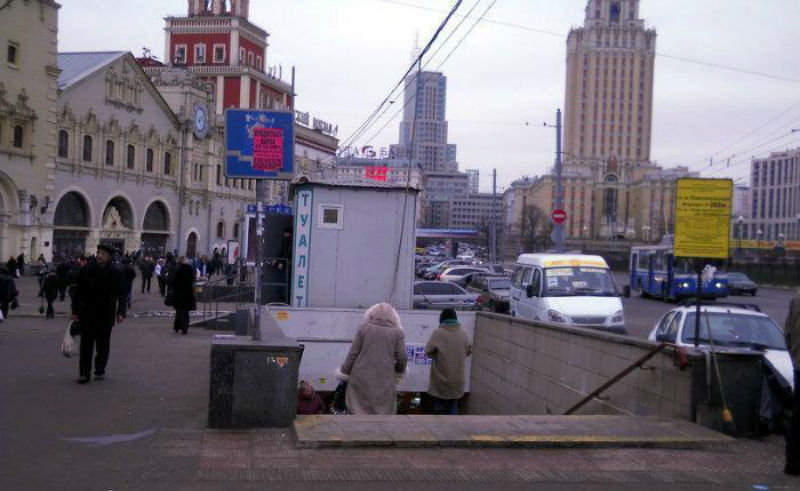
703,218
302,246
258,144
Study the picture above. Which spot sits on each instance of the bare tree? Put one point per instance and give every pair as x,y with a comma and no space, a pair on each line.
534,229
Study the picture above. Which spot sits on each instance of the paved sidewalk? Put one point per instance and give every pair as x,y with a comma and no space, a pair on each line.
144,427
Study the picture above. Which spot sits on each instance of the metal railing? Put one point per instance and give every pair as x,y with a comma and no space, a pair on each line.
239,289
616,378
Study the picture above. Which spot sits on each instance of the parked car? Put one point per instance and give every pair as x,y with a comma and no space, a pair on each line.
457,272
732,326
740,284
442,295
466,280
434,271
493,292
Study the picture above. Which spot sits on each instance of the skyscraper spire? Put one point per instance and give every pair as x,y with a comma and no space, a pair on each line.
415,51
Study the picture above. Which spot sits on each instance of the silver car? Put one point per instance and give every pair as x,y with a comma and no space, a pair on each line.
442,295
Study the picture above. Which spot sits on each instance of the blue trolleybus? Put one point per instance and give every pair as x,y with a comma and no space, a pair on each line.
655,272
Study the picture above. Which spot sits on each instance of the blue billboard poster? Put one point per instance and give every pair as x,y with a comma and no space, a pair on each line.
259,144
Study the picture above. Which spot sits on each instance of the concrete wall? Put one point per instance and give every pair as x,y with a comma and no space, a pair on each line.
521,367
328,333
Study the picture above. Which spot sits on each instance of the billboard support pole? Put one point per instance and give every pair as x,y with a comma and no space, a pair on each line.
260,185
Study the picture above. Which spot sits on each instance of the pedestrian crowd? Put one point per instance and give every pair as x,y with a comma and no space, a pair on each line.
101,289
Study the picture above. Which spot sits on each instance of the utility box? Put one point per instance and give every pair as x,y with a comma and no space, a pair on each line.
253,383
353,244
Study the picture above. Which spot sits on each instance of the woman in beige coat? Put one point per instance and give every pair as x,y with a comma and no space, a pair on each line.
377,358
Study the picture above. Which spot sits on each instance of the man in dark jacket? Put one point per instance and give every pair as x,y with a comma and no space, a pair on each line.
183,295
62,272
147,268
448,348
128,275
99,299
49,291
8,289
21,264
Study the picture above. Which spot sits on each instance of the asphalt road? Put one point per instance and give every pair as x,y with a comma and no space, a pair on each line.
641,314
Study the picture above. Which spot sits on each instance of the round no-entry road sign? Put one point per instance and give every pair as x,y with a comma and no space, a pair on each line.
559,216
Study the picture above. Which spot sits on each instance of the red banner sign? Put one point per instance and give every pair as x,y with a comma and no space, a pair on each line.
377,172
267,149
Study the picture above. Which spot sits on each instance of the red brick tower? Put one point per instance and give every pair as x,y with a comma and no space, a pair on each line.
217,42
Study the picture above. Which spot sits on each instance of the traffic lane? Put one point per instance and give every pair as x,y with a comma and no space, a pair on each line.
641,314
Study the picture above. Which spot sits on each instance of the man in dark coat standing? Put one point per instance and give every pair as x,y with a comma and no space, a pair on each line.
8,290
147,268
183,296
98,301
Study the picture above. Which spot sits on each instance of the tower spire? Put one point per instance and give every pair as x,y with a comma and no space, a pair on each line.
416,49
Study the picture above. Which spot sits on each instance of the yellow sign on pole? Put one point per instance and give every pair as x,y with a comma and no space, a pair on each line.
703,218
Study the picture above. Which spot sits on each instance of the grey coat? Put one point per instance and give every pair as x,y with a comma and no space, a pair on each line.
377,357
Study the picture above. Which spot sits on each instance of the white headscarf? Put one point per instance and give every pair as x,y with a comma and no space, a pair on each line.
383,313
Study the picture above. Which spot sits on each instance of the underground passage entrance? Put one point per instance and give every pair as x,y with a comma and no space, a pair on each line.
526,368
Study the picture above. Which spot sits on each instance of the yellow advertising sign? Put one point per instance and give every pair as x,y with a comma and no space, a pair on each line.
703,217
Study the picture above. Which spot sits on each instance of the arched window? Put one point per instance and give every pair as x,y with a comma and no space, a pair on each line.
614,12
235,230
167,163
63,144
18,136
87,148
221,229
131,160
109,152
149,160
610,199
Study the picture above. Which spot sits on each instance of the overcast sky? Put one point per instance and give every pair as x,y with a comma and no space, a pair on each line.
349,54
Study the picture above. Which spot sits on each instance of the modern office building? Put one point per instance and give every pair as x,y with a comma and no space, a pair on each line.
423,130
774,207
474,176
475,211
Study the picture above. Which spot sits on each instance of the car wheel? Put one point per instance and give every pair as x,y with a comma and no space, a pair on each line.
753,293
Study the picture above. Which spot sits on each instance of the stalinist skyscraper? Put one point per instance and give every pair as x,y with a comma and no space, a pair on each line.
609,99
612,189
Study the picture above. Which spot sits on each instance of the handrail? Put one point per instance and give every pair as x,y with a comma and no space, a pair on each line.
616,378
238,291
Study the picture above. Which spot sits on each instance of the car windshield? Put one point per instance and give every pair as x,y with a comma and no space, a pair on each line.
738,277
500,284
578,281
737,330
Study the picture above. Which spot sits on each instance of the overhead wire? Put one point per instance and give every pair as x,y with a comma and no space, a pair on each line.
748,135
437,68
748,159
362,128
663,55
331,160
422,67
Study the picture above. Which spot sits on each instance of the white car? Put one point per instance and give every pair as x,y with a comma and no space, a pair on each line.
458,272
442,295
732,327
